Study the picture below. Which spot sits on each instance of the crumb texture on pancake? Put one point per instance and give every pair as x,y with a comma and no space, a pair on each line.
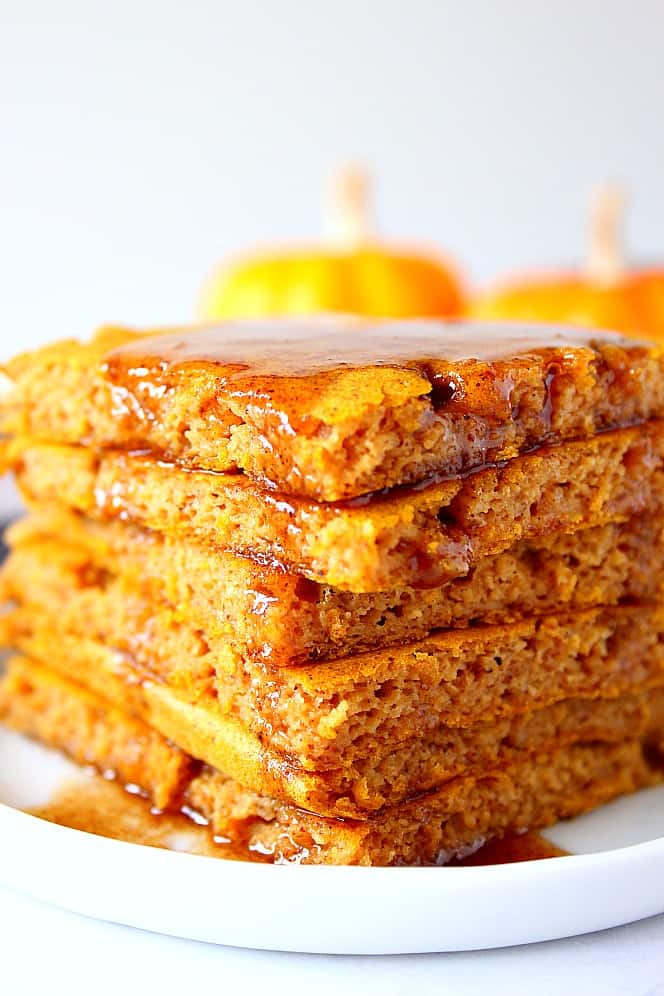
422,537
265,614
334,413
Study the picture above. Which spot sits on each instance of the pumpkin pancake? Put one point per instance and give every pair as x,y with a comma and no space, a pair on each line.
334,408
349,592
420,537
533,790
346,738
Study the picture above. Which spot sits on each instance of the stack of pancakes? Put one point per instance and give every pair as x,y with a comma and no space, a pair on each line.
348,593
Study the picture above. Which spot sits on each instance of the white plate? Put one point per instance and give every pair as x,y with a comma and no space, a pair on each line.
615,876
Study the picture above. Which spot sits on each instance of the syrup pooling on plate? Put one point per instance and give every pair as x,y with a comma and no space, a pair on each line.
101,806
513,848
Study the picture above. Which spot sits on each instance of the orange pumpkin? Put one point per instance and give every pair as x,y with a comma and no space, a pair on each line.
352,273
607,295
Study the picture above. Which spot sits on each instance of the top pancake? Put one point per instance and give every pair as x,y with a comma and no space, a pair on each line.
337,407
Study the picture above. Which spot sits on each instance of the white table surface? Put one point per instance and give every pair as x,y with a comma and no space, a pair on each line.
48,952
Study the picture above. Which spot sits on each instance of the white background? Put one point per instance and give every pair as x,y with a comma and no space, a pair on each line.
143,139
51,952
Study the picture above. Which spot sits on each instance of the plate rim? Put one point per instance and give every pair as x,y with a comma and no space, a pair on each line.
438,924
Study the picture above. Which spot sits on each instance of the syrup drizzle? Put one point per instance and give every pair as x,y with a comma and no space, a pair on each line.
287,379
302,348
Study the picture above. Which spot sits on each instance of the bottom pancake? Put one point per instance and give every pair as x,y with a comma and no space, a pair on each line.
532,792
364,786
92,731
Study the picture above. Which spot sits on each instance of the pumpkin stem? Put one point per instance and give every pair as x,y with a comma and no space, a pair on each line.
606,258
347,210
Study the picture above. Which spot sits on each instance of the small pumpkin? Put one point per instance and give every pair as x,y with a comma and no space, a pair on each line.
351,273
607,294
